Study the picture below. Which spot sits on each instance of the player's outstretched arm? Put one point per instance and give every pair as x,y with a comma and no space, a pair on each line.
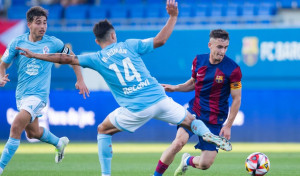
236,95
56,58
3,77
162,37
80,84
188,86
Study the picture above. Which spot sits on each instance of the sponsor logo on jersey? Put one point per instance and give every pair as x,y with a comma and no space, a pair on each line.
33,68
142,84
219,79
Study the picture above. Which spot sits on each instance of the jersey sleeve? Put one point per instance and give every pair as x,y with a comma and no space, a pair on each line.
61,47
235,78
194,68
141,46
10,52
87,60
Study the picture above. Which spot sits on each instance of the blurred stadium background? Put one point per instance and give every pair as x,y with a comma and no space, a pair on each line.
265,42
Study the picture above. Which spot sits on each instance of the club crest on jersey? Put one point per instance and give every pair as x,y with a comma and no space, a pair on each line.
45,50
219,79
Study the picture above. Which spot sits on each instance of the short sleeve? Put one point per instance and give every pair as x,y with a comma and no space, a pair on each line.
194,67
87,60
10,53
140,46
61,47
236,75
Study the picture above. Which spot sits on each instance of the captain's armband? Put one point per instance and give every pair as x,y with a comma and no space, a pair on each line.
65,50
236,85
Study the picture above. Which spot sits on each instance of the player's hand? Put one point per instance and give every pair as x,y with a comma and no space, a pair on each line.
4,80
172,8
26,52
168,87
226,132
82,89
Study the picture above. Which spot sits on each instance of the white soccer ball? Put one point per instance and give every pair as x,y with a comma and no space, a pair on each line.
257,164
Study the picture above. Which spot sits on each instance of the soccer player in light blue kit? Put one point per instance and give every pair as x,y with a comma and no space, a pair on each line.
139,94
33,85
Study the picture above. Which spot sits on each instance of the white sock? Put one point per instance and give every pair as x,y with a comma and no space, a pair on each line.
105,175
59,144
1,170
185,160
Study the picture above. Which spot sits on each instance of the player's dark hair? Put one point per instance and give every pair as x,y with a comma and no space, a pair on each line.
36,11
219,33
101,30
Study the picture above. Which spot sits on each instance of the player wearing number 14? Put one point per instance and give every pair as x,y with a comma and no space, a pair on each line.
139,95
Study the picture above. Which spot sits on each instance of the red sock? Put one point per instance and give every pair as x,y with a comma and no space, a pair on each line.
161,167
190,161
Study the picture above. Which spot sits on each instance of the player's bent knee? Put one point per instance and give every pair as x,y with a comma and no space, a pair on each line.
102,129
32,135
204,166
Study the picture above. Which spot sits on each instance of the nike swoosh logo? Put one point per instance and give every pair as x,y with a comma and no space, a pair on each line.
200,74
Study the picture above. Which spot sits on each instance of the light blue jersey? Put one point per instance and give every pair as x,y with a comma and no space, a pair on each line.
124,71
33,75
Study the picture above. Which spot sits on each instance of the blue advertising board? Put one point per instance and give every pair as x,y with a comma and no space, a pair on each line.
269,60
259,120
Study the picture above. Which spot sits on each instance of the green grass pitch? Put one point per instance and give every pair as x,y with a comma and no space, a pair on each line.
140,159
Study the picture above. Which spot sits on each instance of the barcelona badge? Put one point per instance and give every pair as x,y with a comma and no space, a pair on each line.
219,79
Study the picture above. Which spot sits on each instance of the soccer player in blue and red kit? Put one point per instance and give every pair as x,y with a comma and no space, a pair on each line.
214,77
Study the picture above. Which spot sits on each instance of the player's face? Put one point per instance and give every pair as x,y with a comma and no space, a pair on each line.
218,48
38,26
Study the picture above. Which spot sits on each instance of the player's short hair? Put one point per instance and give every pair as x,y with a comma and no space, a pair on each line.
219,33
102,29
36,11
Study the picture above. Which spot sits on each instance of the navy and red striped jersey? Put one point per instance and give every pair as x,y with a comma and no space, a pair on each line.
212,88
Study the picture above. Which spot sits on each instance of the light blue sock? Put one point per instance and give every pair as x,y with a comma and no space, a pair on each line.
49,138
10,148
105,153
199,128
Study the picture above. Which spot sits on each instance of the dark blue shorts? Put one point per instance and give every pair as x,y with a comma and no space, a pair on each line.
203,145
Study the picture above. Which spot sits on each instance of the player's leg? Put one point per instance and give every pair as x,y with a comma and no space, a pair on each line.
120,119
195,125
105,131
207,157
22,119
169,154
200,129
205,160
33,130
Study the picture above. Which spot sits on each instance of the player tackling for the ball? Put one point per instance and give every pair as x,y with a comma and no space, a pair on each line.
139,95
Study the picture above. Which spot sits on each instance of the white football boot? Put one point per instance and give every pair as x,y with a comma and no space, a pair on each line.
59,156
219,141
182,168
